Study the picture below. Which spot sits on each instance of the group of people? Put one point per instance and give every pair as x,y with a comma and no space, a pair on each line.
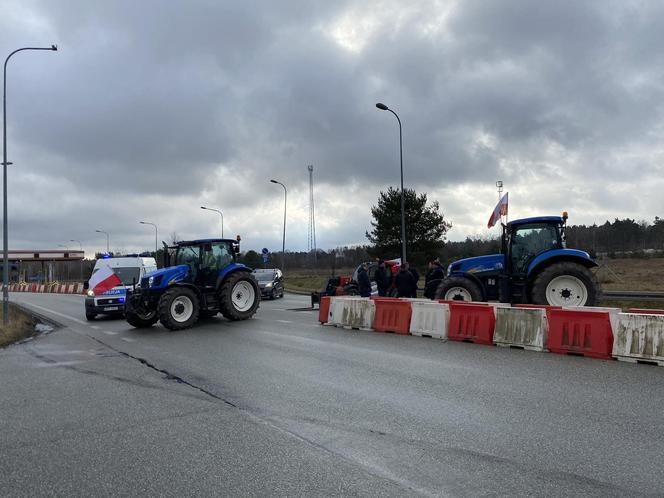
405,281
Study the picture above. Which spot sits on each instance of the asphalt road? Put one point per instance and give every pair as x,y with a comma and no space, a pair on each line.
281,406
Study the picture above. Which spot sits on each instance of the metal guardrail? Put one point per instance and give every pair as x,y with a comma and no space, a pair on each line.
632,296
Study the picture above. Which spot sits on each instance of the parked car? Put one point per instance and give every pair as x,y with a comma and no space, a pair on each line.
270,281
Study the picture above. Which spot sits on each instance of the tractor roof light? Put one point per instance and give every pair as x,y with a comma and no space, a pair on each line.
565,216
238,238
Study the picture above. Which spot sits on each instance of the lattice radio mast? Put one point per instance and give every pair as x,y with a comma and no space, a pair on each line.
311,233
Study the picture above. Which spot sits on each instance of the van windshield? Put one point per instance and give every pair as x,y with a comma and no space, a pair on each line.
128,275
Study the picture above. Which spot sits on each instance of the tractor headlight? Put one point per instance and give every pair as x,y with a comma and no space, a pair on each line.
91,293
449,270
150,281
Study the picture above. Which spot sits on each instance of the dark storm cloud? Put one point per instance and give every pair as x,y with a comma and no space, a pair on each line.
163,104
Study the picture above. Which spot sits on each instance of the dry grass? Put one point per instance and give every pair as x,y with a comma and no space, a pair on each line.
311,280
631,274
21,325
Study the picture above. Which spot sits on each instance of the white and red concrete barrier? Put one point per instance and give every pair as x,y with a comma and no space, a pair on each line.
76,288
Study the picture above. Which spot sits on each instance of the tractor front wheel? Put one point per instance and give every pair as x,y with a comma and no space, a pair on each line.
458,289
239,296
565,284
178,308
140,318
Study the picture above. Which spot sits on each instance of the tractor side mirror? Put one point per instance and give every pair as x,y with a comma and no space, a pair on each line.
86,285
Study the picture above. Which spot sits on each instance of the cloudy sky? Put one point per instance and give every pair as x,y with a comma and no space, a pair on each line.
151,109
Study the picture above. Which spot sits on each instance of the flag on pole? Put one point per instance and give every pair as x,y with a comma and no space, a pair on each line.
103,279
500,210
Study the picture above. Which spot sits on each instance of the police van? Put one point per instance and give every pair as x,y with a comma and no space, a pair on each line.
130,270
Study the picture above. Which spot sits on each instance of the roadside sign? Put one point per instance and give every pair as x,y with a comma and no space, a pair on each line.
265,250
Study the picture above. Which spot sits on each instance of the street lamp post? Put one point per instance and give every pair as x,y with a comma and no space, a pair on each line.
155,234
383,107
220,214
5,163
283,244
107,240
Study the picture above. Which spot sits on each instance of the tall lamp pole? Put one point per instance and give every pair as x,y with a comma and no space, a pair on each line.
107,239
383,107
220,214
283,244
155,235
5,163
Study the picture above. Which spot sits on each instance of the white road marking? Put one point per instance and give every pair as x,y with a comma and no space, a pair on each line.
57,313
96,327
283,321
109,332
127,339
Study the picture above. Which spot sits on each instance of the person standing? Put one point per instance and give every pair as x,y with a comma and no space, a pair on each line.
363,281
404,281
382,279
416,278
435,274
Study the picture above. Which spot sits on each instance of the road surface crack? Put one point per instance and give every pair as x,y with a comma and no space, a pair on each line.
164,372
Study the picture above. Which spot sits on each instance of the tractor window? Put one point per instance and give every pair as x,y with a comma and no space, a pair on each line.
218,256
187,255
530,240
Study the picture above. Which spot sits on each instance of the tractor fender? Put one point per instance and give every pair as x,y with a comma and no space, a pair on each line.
470,277
556,256
188,285
232,268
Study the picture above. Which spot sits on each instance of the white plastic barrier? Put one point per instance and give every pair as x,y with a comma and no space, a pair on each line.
638,337
352,312
523,327
429,318
336,307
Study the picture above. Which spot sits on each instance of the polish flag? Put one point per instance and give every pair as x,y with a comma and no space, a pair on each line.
500,210
103,279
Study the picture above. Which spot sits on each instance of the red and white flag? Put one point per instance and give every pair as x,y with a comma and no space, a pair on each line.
500,210
103,279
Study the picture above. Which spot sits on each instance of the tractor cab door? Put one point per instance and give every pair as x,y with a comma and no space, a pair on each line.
215,257
527,241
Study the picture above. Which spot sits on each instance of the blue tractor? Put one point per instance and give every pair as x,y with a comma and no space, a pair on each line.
203,281
534,267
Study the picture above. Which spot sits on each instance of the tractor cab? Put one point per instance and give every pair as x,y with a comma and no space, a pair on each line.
204,258
524,240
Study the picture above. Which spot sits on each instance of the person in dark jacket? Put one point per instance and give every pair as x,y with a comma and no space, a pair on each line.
363,281
382,279
416,278
404,281
435,274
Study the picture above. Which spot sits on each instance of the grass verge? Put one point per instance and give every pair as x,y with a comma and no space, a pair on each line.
21,325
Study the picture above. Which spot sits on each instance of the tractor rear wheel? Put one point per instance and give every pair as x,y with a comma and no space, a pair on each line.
458,289
239,296
565,284
178,308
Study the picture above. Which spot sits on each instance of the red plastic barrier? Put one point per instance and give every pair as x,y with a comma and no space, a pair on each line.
324,309
580,332
392,315
471,323
645,311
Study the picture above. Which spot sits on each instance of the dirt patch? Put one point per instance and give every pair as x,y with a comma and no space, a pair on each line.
21,325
